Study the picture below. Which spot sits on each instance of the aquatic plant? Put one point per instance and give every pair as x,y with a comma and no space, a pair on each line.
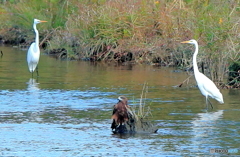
139,115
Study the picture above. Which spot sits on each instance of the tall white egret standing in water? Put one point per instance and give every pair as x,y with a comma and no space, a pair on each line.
205,85
33,54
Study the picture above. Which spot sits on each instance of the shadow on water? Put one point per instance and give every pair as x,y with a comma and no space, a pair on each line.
67,110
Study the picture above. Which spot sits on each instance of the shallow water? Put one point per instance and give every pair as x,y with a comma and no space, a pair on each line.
66,111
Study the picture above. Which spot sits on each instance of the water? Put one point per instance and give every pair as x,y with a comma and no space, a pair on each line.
66,111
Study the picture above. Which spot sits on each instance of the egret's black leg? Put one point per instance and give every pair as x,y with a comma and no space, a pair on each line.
37,71
210,103
206,103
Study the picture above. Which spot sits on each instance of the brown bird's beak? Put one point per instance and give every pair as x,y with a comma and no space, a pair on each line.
43,21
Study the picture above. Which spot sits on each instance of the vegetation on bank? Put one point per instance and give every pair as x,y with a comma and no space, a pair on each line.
137,31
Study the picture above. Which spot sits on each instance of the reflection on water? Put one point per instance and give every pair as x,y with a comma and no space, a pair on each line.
206,119
32,85
67,110
206,126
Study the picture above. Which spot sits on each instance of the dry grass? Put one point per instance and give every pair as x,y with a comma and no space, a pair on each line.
139,114
142,110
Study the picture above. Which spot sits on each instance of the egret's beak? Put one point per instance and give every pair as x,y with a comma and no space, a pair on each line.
43,21
185,42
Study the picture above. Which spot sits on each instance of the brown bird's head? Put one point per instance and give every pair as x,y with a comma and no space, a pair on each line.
123,99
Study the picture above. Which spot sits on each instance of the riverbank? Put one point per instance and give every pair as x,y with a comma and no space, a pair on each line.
140,32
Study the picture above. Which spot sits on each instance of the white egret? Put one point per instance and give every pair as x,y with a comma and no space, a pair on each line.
33,54
205,85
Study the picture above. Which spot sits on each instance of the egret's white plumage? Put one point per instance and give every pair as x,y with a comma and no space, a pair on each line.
205,85
33,54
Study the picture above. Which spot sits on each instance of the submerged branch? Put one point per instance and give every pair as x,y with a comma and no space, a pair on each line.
186,80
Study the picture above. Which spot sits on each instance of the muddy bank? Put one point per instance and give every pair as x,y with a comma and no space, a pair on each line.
75,50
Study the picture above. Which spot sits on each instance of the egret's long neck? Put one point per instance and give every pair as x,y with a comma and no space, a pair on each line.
195,67
37,35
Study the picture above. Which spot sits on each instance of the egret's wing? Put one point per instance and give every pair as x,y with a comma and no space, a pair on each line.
32,57
30,52
211,88
208,85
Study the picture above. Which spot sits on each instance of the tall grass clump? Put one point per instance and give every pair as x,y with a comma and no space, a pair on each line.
23,12
21,15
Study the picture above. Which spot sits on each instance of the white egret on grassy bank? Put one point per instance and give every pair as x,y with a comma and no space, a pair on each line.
205,85
33,54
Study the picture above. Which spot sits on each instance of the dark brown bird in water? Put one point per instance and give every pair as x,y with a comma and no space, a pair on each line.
120,113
